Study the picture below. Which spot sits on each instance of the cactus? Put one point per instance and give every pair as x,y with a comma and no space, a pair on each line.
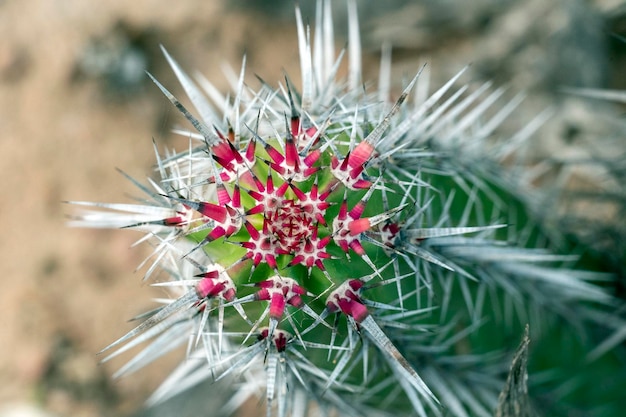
330,250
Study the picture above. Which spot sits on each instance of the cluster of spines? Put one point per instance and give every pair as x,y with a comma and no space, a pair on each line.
284,214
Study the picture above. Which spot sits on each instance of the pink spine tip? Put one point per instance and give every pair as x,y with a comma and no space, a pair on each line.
277,306
357,210
295,301
355,172
257,182
215,234
361,154
209,288
358,226
343,210
362,184
324,241
222,150
269,184
254,234
173,221
222,195
276,156
262,295
224,163
291,154
235,154
259,208
359,312
204,287
296,260
355,284
356,246
301,196
311,158
345,162
236,200
282,189
271,260
229,295
295,126
213,211
250,150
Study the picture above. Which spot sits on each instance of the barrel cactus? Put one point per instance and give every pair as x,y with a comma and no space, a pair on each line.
332,250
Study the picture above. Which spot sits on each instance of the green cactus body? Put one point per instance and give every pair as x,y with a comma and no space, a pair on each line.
335,245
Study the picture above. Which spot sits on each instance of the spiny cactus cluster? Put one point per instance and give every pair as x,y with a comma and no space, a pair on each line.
330,250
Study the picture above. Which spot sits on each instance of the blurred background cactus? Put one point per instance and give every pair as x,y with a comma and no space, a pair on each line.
454,350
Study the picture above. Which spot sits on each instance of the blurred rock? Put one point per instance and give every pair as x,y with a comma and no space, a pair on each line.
119,59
